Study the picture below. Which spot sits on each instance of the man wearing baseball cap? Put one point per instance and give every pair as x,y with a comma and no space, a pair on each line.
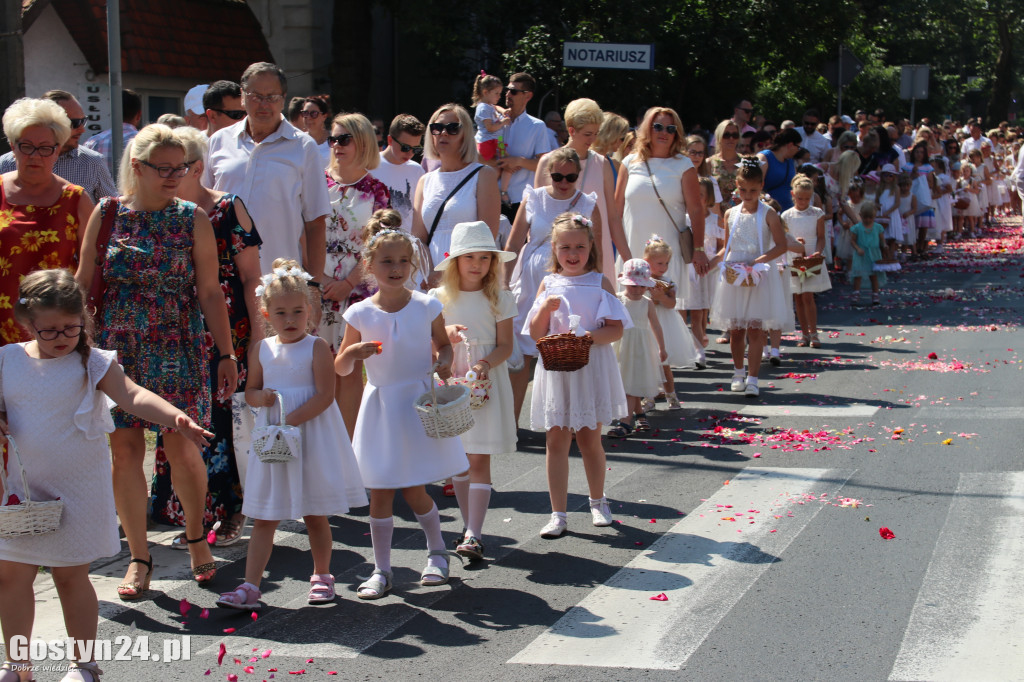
195,112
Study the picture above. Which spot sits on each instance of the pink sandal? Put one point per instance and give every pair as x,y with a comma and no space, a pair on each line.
321,588
246,597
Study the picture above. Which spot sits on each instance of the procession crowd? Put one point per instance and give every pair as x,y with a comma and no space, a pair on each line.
293,300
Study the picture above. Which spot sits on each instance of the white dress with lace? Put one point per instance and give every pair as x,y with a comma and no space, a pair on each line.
592,395
637,351
60,420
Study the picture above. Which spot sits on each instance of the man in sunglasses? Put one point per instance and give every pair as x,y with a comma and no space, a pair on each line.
741,114
526,140
223,104
397,169
813,141
76,164
276,170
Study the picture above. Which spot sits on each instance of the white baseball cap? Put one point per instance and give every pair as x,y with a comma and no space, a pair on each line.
194,99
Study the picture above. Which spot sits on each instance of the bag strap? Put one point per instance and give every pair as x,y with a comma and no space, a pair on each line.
658,194
437,217
103,238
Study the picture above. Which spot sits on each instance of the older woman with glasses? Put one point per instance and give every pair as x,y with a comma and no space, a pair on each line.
160,269
460,190
41,215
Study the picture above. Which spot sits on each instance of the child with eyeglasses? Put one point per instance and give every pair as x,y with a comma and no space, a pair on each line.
490,121
55,400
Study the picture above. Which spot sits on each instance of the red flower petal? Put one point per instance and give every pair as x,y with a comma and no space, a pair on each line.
886,533
660,597
933,356
221,653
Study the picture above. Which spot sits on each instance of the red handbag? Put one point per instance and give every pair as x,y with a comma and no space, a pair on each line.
94,301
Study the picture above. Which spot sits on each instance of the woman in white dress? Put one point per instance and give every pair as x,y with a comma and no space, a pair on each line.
461,189
584,118
656,193
537,212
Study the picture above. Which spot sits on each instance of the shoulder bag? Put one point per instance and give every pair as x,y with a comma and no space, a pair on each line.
98,287
437,217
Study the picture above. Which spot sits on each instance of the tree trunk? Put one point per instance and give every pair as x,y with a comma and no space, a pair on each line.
999,103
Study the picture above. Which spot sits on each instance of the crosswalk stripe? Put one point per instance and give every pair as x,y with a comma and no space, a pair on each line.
969,614
769,410
967,413
702,565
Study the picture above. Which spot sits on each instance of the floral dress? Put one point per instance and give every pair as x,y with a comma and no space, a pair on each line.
224,492
725,174
151,311
351,208
34,238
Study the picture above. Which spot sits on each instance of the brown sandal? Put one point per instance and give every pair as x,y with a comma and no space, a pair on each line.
203,573
130,591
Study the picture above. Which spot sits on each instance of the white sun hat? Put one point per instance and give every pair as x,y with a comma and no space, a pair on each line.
636,272
471,238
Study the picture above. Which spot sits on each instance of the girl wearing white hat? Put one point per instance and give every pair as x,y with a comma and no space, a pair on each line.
479,314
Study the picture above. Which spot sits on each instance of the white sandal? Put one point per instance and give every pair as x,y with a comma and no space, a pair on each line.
77,673
380,586
442,574
245,597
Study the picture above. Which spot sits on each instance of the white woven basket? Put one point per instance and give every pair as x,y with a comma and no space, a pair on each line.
445,411
28,517
273,449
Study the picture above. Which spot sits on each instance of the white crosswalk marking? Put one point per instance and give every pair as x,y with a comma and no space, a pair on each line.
967,413
703,566
769,410
969,615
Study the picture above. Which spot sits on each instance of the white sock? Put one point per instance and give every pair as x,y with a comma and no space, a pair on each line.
775,352
381,531
739,373
461,485
479,500
752,381
594,503
431,525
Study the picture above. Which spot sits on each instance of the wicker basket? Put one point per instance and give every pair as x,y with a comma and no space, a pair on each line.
28,517
809,264
564,352
479,389
274,448
445,410
662,284
731,276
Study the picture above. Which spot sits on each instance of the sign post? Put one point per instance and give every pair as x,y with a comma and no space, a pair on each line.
636,57
841,72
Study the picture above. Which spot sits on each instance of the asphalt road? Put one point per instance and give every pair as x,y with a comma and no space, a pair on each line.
758,521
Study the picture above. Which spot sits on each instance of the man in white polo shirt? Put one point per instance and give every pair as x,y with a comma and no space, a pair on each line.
526,139
276,170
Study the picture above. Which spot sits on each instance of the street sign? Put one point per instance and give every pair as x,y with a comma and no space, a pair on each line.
851,66
914,81
638,57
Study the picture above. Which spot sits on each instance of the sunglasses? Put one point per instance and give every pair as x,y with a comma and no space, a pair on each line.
730,136
658,127
748,112
263,99
513,91
311,114
343,140
450,128
233,114
78,122
417,150
52,334
558,177
168,171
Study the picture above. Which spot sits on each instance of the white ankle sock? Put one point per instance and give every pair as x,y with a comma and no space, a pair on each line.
479,500
461,485
431,525
752,381
381,531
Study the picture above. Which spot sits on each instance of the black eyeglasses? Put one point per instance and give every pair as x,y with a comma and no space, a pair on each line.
168,171
52,334
450,128
311,114
658,127
745,110
28,149
558,177
78,122
343,140
233,114
730,136
695,152
417,150
514,91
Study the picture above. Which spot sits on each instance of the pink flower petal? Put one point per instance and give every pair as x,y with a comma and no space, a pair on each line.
266,654
184,607
660,597
228,631
205,613
221,653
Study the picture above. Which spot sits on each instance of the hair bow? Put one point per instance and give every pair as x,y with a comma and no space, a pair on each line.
581,220
748,162
654,238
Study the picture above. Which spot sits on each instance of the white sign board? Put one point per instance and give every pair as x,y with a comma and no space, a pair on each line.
608,56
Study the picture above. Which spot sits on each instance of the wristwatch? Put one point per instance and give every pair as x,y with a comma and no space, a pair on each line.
699,248
230,356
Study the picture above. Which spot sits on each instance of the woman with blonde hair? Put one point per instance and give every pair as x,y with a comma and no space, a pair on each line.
610,137
595,176
160,270
460,190
355,195
723,165
658,190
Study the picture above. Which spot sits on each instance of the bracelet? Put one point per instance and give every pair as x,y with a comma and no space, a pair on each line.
311,283
484,361
230,356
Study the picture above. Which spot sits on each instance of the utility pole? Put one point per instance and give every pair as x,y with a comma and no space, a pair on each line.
12,54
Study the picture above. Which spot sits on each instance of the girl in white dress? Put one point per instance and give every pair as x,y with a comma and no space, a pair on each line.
537,212
391,332
887,197
755,237
479,314
806,225
55,398
700,290
323,479
683,350
591,396
641,350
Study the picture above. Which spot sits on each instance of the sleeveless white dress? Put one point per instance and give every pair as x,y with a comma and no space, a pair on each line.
680,345
592,395
324,480
534,261
804,225
637,351
60,420
437,185
391,446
